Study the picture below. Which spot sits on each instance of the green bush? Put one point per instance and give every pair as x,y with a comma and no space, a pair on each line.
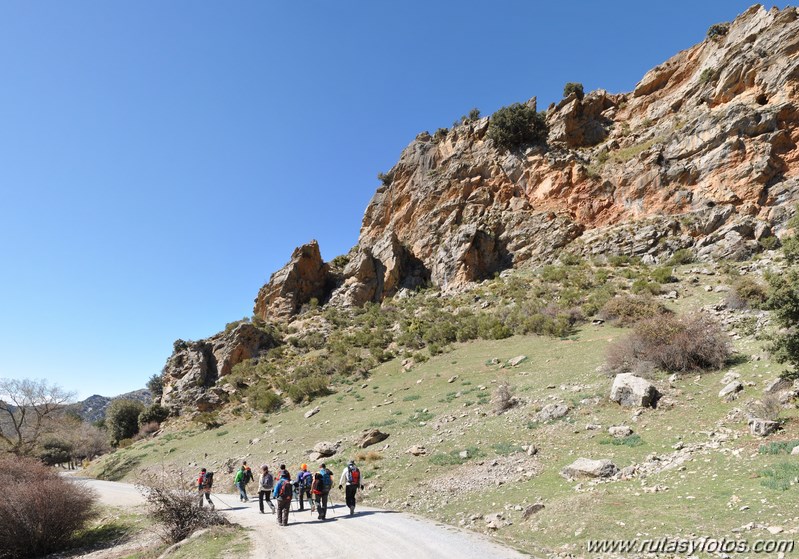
517,125
154,413
629,309
681,256
573,87
264,399
663,275
122,419
307,388
718,30
747,291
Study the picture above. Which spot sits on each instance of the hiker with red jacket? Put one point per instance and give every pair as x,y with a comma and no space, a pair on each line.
204,483
283,492
351,476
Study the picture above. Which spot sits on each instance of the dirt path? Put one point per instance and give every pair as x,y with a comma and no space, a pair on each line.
370,533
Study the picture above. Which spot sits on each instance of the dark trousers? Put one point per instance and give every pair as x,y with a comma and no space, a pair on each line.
265,495
283,506
207,493
349,492
321,505
304,492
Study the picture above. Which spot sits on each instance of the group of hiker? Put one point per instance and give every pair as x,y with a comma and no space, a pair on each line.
313,487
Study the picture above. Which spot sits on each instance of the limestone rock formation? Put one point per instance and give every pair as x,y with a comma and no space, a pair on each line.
192,372
703,154
305,277
585,467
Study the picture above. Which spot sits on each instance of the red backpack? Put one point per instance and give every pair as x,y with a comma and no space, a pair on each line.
285,490
354,476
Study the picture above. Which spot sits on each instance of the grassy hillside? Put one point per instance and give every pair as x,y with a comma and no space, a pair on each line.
700,472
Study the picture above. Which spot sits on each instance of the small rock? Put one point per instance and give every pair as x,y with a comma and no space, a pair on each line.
731,388
620,431
774,530
729,377
630,390
311,413
795,451
762,427
593,427
417,450
516,360
585,467
532,509
551,412
464,454
452,379
370,437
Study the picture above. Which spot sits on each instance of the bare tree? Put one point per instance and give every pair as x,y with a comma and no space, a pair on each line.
26,409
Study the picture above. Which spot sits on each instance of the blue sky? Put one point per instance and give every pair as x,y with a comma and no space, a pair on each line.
159,160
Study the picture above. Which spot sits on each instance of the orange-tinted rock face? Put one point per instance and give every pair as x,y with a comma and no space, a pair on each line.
716,125
703,154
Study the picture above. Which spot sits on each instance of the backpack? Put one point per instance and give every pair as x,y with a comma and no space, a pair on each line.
248,476
327,481
305,479
353,476
209,480
285,490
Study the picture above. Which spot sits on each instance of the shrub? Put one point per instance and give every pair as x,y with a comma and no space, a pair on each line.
674,344
384,178
175,505
153,414
440,134
573,87
747,292
718,30
307,388
681,256
263,398
147,429
208,418
40,511
368,456
629,309
663,275
517,125
503,398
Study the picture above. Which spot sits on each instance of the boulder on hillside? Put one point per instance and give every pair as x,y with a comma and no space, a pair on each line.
551,412
620,431
777,385
417,450
762,427
324,449
312,412
630,390
585,467
732,388
370,437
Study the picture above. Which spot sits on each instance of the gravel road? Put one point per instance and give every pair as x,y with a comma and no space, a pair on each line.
370,533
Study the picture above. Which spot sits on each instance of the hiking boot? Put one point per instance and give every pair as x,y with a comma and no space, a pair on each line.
352,510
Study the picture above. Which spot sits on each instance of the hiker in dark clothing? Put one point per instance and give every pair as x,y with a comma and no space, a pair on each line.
323,482
283,493
303,485
351,476
204,483
265,485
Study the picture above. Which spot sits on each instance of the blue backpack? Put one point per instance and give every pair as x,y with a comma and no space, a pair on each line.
327,481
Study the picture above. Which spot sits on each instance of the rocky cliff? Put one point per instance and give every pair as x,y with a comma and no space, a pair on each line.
701,155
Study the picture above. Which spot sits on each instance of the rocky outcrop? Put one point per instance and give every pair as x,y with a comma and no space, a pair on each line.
703,154
305,277
192,373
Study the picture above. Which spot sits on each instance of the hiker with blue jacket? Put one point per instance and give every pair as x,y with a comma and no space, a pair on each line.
283,493
322,482
303,485
351,476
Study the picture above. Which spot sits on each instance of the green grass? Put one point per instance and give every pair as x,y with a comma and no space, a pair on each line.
703,496
780,476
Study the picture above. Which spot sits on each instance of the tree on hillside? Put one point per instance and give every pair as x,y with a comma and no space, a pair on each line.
783,301
156,386
122,419
517,125
27,410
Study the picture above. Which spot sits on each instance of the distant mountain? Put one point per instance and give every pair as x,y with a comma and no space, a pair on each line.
94,407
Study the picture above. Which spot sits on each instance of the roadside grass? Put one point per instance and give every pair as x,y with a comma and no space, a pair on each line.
718,490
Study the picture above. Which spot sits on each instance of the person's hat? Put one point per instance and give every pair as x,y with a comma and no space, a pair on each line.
351,463
264,467
305,466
